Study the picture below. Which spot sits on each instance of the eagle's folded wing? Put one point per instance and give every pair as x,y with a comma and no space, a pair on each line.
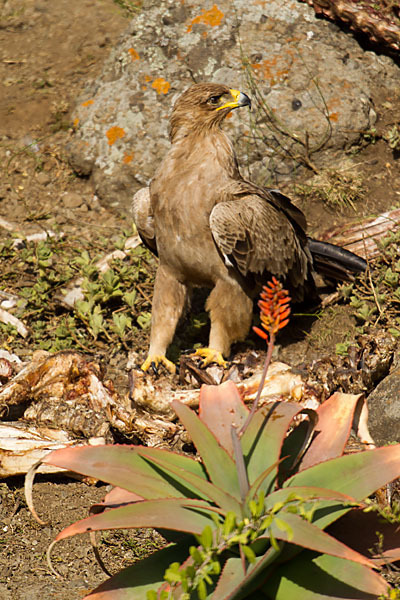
246,231
143,217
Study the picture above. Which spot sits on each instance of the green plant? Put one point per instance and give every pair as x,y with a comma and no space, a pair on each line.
37,273
375,295
392,137
251,513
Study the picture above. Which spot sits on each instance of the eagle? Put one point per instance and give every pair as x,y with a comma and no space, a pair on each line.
212,228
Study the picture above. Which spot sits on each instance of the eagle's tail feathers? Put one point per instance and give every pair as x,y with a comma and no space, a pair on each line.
334,262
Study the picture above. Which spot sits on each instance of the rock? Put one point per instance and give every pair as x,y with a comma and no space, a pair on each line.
384,409
43,178
305,77
72,200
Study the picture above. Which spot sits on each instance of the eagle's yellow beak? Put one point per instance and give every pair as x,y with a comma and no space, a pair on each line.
239,99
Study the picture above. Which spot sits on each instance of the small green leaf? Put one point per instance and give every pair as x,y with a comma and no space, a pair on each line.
144,320
249,554
196,555
253,508
130,298
391,278
240,538
83,307
173,574
121,321
266,522
215,567
277,507
261,503
207,578
283,526
202,590
274,543
394,332
229,523
342,348
206,538
355,302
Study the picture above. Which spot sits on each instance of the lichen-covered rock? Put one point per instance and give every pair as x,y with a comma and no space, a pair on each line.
312,85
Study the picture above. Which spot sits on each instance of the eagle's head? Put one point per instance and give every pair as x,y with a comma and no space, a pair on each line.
204,106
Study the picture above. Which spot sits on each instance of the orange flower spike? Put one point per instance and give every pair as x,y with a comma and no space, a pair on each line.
274,309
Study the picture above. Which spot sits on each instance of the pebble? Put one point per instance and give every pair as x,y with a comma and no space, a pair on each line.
43,178
72,200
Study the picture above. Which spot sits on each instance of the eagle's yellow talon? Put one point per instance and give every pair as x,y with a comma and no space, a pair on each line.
158,360
211,356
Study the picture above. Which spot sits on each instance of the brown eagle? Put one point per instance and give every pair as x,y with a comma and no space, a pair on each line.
212,228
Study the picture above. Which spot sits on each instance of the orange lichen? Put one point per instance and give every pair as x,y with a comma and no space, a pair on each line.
75,122
212,17
114,133
160,85
87,103
127,158
133,53
333,116
269,71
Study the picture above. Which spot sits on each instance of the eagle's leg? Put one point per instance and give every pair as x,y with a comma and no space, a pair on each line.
168,303
230,310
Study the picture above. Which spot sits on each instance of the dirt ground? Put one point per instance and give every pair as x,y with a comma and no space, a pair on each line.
48,50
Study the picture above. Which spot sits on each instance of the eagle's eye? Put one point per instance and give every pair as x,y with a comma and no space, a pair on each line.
214,100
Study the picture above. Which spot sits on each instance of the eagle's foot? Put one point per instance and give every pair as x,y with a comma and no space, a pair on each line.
154,361
209,356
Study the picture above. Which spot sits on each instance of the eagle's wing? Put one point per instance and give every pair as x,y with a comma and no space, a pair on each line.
286,205
246,231
143,217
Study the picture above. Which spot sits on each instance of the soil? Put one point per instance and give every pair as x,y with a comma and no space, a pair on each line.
48,50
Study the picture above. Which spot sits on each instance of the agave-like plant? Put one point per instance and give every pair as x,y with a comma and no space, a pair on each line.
253,527
251,512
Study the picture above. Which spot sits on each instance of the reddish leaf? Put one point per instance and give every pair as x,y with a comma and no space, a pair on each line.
123,466
120,496
335,418
220,407
204,489
306,493
262,440
311,576
309,536
358,475
219,464
167,513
